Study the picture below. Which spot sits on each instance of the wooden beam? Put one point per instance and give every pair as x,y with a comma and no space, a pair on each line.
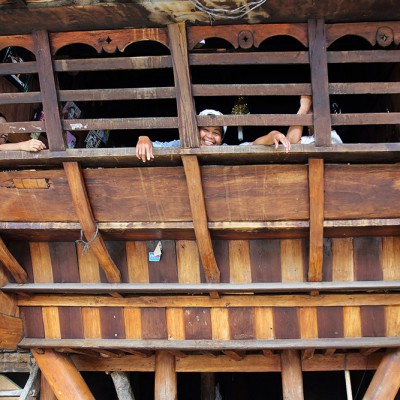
11,331
188,131
319,82
211,345
48,90
83,209
122,385
199,214
292,378
11,264
165,387
386,382
32,386
316,190
46,392
61,374
207,386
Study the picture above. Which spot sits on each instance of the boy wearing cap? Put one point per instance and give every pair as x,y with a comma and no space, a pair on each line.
209,136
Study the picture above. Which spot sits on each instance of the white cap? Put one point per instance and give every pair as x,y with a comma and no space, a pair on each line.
214,112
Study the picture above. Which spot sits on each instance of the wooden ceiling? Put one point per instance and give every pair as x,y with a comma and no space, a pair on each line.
23,16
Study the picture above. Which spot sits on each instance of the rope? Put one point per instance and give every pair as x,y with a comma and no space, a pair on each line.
86,245
238,12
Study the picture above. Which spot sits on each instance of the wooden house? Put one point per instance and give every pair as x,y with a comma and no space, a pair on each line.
280,266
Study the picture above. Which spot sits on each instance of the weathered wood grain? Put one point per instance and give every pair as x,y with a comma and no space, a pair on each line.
308,322
265,260
89,270
51,322
352,326
165,385
264,322
133,323
342,259
91,322
41,262
188,261
71,323
197,323
11,331
239,261
154,323
292,262
175,323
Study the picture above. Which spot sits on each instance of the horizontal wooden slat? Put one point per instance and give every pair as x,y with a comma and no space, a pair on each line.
32,126
209,345
366,119
165,288
17,98
273,58
108,64
27,67
296,300
363,56
116,94
364,88
277,89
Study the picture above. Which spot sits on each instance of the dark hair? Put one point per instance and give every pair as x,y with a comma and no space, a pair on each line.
3,116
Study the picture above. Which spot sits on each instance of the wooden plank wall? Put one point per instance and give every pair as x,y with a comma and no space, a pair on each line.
240,261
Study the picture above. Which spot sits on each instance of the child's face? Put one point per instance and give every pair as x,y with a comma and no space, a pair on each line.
3,136
210,135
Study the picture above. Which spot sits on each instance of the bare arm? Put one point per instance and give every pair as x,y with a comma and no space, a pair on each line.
296,131
273,138
29,145
144,149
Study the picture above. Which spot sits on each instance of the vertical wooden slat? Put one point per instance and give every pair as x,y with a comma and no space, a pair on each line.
352,322
308,322
41,262
391,258
373,321
392,317
175,323
199,215
165,270
316,191
11,264
265,257
165,386
136,258
32,318
51,322
292,378
91,322
239,261
330,322
292,263
154,323
112,323
197,323
133,323
84,211
221,251
188,131
89,270
220,323
386,382
61,374
64,262
71,326
319,82
241,323
286,323
188,261
264,323
48,90
342,259
367,263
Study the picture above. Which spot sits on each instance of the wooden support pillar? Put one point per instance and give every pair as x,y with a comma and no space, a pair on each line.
122,385
199,215
11,264
188,131
48,90
165,387
386,382
292,378
83,209
46,392
319,82
207,386
61,374
316,190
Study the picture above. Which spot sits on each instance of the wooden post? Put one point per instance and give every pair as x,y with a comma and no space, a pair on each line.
188,131
199,215
165,387
61,374
122,385
11,264
386,382
46,392
83,209
48,89
292,378
207,386
319,82
316,190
